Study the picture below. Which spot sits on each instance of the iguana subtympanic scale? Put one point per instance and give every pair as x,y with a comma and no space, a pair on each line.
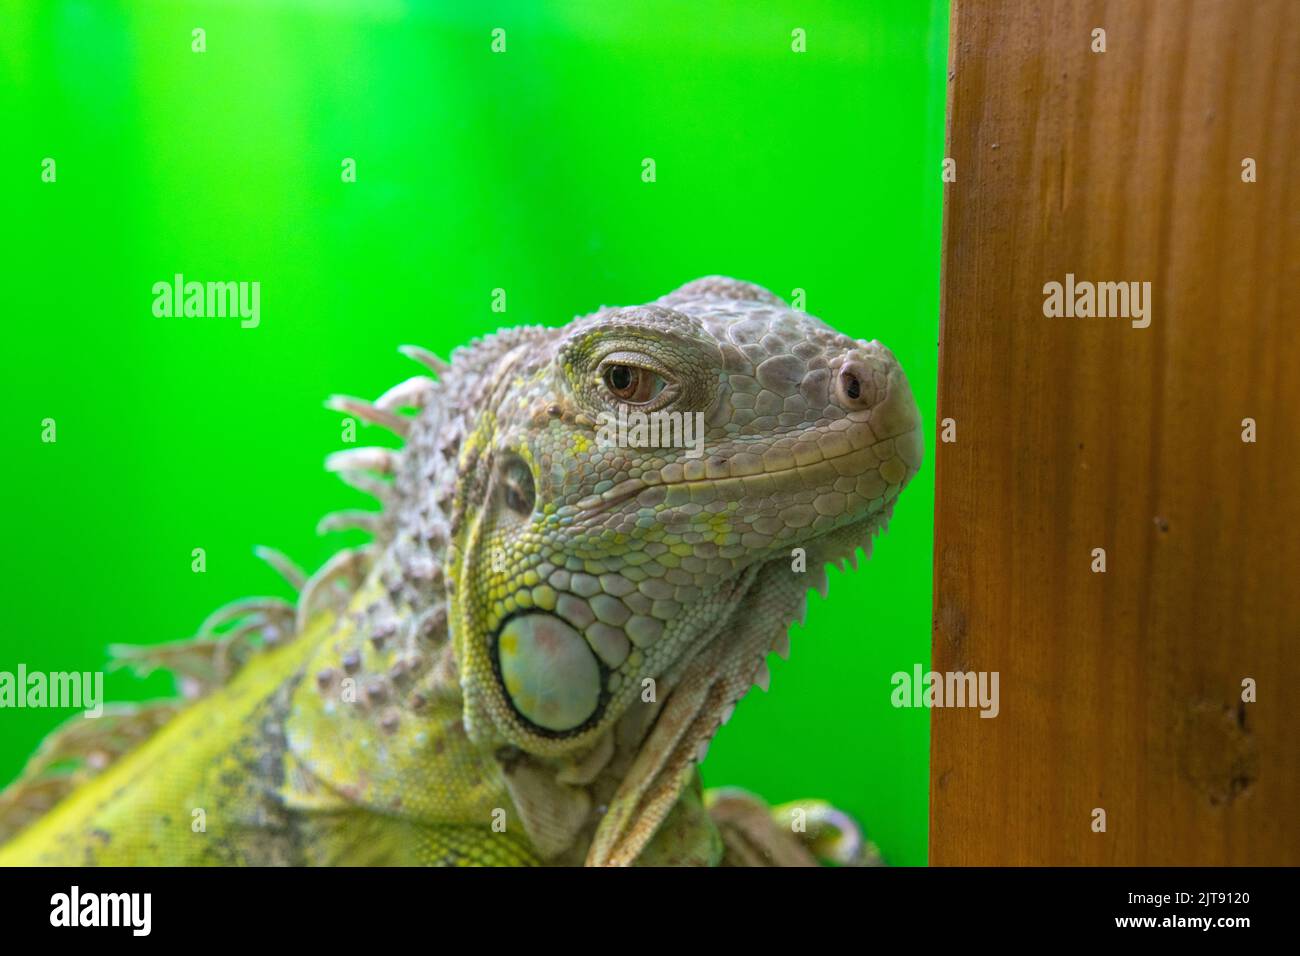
553,619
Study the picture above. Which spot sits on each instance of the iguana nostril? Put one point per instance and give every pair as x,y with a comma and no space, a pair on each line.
854,387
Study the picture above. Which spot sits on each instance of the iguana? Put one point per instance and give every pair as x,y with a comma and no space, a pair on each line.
555,615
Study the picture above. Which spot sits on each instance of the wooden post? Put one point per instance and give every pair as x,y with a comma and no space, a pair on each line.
1121,691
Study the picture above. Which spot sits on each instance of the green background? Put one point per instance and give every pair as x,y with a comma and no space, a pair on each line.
475,171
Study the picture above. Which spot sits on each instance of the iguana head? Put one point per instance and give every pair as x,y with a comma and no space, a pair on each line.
589,556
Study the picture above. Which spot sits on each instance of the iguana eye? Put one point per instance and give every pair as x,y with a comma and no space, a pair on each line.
517,487
632,384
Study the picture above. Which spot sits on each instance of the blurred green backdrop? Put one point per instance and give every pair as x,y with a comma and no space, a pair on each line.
475,170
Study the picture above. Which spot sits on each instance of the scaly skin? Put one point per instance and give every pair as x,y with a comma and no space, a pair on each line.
528,663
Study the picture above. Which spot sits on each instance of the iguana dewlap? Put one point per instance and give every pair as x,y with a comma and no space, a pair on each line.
555,615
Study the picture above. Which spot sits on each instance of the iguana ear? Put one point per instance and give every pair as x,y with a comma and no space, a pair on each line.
721,287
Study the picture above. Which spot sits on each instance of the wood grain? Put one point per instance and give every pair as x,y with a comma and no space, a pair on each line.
1121,690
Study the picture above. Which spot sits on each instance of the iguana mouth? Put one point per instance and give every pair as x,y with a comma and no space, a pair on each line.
633,487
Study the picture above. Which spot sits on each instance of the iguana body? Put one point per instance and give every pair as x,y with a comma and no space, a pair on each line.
528,662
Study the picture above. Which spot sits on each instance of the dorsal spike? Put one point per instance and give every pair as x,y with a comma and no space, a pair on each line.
351,564
349,520
283,565
413,393
425,358
369,413
380,460
367,483
271,606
